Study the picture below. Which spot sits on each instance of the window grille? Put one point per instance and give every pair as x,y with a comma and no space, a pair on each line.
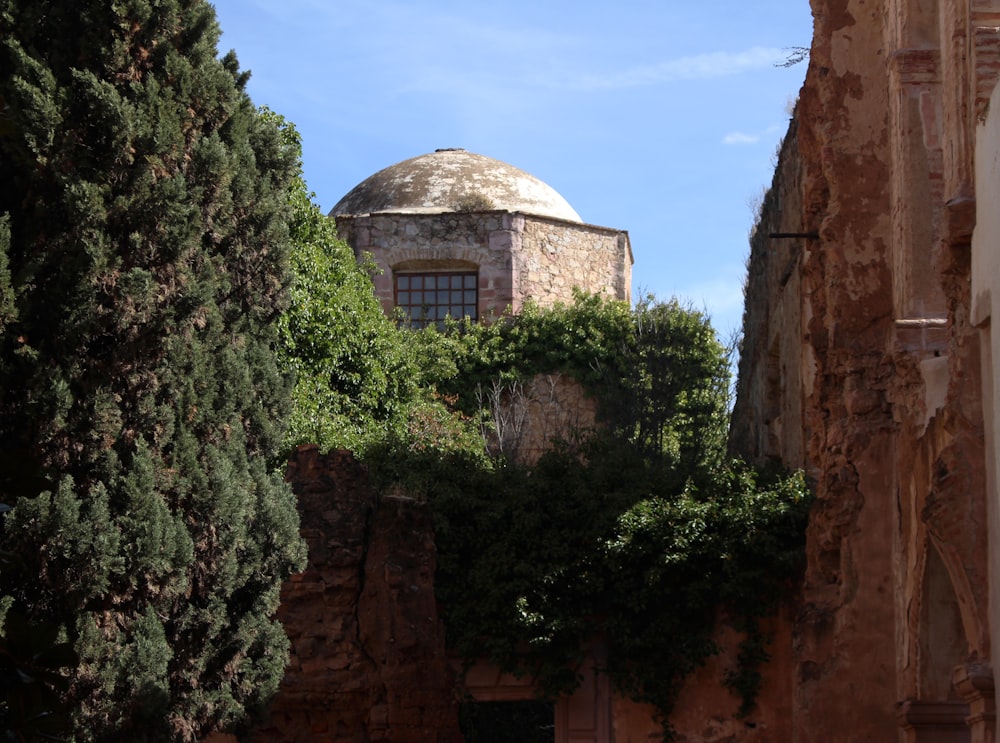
428,298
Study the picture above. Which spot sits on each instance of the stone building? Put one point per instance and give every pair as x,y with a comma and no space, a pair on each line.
869,361
458,234
461,234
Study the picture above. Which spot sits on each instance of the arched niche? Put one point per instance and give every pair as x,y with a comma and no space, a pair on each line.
943,641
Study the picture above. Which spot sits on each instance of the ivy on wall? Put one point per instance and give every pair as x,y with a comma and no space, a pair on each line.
639,534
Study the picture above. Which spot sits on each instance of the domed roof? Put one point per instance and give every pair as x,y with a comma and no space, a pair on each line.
454,180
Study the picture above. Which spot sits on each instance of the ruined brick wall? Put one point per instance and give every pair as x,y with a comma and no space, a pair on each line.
892,638
517,255
367,648
767,417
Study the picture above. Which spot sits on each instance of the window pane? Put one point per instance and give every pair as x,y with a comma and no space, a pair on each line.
428,298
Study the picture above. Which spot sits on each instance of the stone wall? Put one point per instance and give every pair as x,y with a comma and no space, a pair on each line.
865,366
985,299
767,419
517,255
556,257
525,418
367,648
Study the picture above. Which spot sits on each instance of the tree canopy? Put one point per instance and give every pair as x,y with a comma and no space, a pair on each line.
143,265
350,366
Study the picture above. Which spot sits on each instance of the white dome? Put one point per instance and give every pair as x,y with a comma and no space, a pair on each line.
454,180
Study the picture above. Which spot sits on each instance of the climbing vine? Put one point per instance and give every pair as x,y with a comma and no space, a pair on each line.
638,534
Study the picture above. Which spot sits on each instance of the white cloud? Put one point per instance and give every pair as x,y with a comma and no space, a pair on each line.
740,138
697,67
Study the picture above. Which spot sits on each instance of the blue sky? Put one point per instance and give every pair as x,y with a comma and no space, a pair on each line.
658,117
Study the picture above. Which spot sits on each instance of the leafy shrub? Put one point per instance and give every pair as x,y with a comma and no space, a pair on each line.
643,533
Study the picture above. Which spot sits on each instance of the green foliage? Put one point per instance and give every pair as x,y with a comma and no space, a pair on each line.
349,364
143,263
586,340
474,202
7,307
674,384
640,536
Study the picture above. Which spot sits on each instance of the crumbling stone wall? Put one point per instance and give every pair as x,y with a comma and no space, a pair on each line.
368,662
892,637
767,417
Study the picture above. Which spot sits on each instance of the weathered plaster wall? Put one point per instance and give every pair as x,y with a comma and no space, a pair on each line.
893,632
517,255
847,287
985,295
707,712
525,418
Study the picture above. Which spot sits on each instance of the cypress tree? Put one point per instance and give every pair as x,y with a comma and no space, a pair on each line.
143,262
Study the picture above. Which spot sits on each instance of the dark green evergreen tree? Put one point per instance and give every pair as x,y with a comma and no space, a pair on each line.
143,263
